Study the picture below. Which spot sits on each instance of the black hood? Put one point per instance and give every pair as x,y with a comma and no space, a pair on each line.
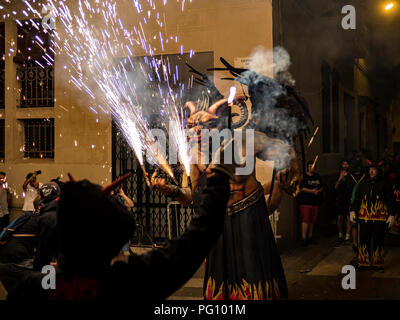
49,206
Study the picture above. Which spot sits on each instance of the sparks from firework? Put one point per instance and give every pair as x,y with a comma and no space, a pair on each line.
175,126
91,50
179,137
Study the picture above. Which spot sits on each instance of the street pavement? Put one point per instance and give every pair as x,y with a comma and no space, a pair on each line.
314,273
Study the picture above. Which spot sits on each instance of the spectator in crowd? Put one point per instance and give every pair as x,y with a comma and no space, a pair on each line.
33,244
342,200
93,227
31,190
356,175
5,201
120,195
309,200
373,207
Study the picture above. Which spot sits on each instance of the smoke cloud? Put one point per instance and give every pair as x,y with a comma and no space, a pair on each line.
274,62
271,111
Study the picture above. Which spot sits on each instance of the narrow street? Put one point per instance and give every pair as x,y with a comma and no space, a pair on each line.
314,273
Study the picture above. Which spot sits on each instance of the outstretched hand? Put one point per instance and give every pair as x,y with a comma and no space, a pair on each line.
161,185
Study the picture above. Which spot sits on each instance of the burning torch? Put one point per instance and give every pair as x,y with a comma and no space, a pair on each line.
312,138
232,94
315,162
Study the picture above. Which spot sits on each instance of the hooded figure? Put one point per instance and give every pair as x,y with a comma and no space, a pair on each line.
92,228
373,207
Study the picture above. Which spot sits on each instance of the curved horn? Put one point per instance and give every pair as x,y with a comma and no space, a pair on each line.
107,189
213,109
244,114
369,162
381,163
71,178
191,106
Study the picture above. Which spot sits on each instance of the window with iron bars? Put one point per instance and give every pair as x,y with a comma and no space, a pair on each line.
37,86
35,55
39,138
2,139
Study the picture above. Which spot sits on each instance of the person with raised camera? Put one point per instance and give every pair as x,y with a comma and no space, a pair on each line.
31,191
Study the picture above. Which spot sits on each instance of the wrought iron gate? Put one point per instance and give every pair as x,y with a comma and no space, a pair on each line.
150,209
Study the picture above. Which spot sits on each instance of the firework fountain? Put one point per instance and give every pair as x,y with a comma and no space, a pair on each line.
92,37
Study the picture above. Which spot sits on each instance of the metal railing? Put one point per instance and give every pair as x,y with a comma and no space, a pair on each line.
156,221
37,86
39,138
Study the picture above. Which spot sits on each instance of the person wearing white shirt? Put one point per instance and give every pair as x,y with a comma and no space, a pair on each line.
5,199
31,190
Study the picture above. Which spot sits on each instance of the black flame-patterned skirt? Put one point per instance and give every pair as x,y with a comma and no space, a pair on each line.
244,263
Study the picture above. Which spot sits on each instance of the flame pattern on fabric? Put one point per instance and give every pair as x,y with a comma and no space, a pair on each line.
363,256
242,291
377,257
373,210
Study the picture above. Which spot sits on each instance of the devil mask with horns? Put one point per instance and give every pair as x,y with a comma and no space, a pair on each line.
276,108
92,226
209,110
375,164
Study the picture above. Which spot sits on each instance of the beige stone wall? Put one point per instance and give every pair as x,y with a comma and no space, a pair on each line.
89,157
228,28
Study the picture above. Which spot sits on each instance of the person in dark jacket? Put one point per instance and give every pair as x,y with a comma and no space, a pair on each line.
92,228
34,244
342,199
373,209
356,176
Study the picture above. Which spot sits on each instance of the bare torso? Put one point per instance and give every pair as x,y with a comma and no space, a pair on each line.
242,185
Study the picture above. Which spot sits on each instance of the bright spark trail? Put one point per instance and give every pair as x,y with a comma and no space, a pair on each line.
91,36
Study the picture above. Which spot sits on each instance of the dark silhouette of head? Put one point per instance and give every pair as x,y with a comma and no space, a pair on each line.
93,227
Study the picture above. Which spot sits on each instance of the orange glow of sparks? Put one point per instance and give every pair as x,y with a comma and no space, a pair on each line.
389,6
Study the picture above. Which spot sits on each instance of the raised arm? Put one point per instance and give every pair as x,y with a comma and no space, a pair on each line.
274,200
281,153
181,194
127,201
27,181
159,273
